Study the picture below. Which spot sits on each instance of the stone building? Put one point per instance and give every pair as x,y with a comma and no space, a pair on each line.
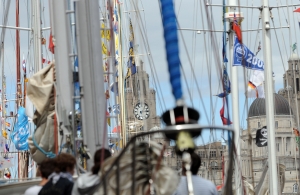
285,143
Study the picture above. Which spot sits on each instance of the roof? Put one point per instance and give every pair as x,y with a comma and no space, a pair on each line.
258,107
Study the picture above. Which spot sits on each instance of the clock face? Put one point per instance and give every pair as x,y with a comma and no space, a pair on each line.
141,111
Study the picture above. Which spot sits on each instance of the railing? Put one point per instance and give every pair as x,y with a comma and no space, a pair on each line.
114,180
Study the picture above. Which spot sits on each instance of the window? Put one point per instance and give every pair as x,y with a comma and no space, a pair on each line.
214,165
258,124
276,124
297,84
295,187
277,147
221,153
213,154
202,154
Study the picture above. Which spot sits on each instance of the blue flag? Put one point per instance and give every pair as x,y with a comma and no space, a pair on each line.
20,133
242,56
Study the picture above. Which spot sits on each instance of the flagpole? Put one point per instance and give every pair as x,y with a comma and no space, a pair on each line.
235,105
269,95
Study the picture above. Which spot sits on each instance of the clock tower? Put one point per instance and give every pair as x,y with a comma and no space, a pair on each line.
140,102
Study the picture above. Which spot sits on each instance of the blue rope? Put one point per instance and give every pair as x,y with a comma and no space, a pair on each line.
171,44
48,154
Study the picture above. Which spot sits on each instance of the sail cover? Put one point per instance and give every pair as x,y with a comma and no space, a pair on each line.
41,93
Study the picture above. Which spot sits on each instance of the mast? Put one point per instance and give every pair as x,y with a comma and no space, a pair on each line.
235,103
90,76
269,95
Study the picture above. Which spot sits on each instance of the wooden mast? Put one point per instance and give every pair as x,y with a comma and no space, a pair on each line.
22,165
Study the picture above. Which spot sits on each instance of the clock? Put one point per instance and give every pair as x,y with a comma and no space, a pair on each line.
141,111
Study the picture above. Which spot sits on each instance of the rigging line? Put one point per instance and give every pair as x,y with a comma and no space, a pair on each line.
159,99
193,73
194,44
186,82
151,62
281,29
213,45
179,8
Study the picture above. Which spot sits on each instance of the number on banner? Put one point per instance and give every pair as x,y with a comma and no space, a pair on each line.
249,60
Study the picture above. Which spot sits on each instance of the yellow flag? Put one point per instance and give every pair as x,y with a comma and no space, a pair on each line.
107,34
104,49
102,31
4,134
116,42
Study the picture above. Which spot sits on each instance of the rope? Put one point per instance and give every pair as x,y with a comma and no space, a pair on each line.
47,154
171,45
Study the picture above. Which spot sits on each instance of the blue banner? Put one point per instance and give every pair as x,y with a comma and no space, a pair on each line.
242,56
21,133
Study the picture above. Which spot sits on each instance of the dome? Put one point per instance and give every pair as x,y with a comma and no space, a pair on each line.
281,92
294,56
258,107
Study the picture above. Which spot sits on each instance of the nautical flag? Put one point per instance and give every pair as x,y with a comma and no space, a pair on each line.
116,109
104,49
297,10
242,56
222,95
24,64
114,88
44,61
226,82
224,119
4,134
107,118
20,133
51,44
262,137
117,129
236,28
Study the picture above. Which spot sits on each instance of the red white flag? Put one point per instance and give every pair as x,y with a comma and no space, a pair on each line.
236,28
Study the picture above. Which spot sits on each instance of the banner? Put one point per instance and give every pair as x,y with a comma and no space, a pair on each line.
262,137
242,56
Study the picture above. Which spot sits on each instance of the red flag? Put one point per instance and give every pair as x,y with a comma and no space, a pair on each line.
51,44
224,119
297,10
236,28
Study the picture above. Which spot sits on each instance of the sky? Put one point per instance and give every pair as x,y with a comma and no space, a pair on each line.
204,58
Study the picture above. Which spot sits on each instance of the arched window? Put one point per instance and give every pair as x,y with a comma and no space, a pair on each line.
295,187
